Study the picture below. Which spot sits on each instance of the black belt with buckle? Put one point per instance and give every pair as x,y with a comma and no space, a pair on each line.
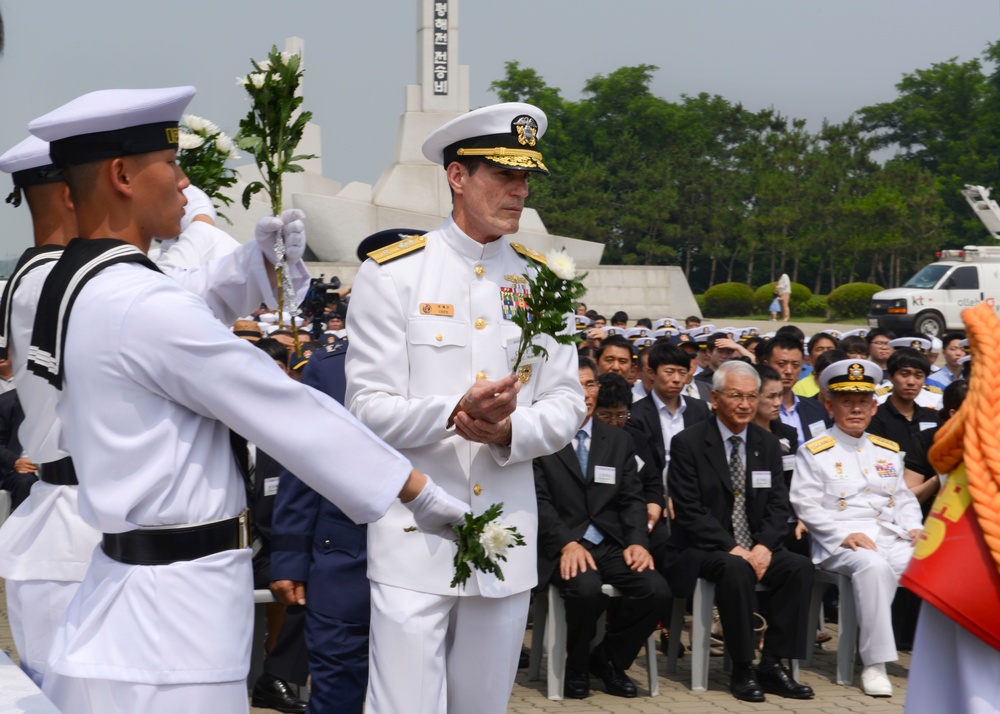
58,473
163,546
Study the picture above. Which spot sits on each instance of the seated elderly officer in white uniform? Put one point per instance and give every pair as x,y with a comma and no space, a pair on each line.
849,490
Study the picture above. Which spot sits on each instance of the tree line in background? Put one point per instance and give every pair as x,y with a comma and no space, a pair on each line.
738,196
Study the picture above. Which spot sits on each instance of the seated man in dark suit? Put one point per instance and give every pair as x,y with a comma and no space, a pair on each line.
808,417
592,531
731,505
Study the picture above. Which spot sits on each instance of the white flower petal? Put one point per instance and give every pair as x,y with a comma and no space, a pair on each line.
561,264
187,141
257,79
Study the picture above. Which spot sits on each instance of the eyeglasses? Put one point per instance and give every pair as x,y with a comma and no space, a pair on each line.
608,416
737,397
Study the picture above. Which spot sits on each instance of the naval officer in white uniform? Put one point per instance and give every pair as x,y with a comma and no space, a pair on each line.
151,383
430,329
849,490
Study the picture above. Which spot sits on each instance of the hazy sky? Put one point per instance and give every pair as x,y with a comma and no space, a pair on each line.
812,59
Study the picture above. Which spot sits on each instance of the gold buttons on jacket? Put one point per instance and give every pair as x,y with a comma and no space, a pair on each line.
480,270
477,489
439,337
480,323
480,375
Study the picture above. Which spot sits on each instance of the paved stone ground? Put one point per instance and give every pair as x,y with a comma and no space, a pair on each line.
676,696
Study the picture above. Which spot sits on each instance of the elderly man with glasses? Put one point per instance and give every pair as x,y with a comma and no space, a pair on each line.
732,511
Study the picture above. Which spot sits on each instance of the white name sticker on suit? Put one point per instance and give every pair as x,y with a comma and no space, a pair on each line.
924,425
271,486
817,428
604,474
788,462
760,479
528,358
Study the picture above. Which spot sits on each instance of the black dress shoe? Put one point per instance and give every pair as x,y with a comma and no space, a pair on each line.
524,660
273,693
775,679
577,685
745,687
615,680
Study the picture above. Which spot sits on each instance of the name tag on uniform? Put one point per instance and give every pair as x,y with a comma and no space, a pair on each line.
760,479
788,462
604,474
817,428
928,425
528,359
271,485
437,308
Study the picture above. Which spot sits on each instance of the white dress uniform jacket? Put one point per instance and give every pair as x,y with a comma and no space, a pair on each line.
423,329
150,377
845,485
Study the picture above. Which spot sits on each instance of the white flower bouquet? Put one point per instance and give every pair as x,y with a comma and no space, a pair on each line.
203,150
553,291
483,541
271,132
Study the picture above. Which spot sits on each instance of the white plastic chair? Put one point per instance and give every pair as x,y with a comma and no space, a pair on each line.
847,622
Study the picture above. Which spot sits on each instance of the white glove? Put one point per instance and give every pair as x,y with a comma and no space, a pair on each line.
293,230
199,204
436,511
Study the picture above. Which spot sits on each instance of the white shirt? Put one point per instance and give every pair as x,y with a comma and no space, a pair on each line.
671,423
726,435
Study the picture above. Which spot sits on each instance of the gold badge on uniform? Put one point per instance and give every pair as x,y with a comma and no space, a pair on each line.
524,374
842,504
839,466
855,372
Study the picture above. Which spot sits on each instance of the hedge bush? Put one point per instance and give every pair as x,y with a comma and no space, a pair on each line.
728,300
852,299
816,306
763,296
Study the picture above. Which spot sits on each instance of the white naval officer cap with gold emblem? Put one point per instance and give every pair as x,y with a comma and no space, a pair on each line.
504,135
917,343
113,122
29,164
851,375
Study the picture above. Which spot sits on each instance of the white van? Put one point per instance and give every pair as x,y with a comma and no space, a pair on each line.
931,302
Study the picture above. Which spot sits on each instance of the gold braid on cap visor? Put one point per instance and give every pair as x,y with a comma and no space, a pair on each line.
518,158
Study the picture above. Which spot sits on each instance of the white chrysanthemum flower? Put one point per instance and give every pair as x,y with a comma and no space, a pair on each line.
241,81
561,264
195,123
187,141
257,79
286,56
264,65
224,145
496,539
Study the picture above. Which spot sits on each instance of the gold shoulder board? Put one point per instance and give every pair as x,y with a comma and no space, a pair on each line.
882,391
884,443
933,389
821,444
398,249
528,253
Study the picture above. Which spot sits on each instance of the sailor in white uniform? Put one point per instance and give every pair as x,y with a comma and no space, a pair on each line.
151,383
849,490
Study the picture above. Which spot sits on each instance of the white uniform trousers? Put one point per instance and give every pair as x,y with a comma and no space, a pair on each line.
952,670
34,608
874,577
431,654
72,695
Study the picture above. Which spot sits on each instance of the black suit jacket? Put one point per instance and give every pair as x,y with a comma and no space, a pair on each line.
644,425
703,497
11,416
811,411
568,503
